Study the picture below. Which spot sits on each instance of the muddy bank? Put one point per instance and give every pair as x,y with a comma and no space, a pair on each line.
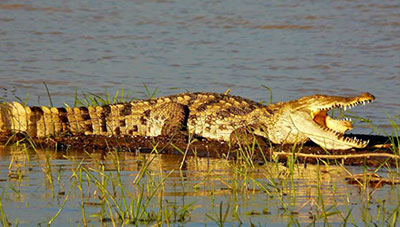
378,151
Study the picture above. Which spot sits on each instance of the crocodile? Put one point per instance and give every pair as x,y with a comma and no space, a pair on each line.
217,116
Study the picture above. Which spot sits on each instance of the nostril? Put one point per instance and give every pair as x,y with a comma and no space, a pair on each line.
367,95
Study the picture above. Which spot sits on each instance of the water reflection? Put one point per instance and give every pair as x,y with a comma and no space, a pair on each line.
289,191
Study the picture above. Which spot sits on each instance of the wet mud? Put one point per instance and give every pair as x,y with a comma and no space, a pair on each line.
372,179
378,151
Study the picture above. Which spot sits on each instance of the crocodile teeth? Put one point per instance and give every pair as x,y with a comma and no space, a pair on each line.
321,116
354,140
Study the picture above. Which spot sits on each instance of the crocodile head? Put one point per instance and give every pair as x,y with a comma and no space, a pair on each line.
307,118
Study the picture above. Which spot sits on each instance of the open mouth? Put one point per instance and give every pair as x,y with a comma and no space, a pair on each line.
337,127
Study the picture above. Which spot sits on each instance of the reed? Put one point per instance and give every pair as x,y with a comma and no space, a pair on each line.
4,220
220,217
107,194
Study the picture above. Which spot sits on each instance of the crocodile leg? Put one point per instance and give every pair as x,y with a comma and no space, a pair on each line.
246,135
242,136
167,119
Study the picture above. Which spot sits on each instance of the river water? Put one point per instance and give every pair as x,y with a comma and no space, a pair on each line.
296,48
37,185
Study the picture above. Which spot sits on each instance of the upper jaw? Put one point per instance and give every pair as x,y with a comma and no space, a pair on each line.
330,102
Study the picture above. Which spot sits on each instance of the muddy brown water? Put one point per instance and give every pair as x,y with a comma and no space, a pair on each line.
255,188
296,48
201,182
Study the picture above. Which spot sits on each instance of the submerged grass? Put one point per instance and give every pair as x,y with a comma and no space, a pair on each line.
145,196
4,220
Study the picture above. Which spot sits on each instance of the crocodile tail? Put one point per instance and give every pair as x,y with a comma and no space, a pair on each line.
42,121
13,117
5,123
56,121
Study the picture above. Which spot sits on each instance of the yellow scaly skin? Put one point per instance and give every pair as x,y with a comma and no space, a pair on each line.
209,115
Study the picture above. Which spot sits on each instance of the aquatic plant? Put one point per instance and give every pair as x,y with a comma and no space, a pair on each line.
249,184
